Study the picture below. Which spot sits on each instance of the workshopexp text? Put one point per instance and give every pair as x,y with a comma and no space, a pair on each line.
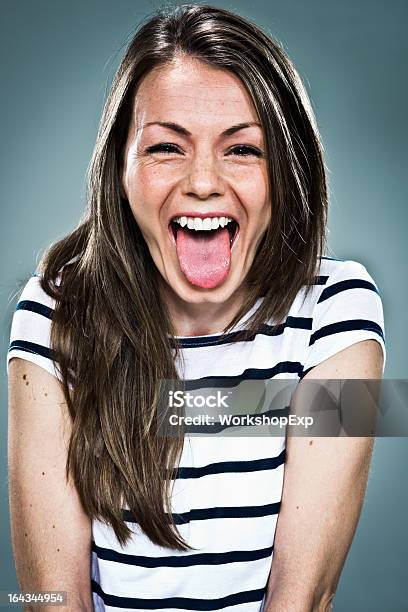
242,420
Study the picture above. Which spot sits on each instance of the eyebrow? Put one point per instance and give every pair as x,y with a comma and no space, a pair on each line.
182,130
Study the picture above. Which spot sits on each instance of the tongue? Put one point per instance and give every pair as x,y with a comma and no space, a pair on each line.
204,257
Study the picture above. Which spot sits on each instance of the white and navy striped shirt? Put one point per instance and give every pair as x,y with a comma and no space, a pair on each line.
227,492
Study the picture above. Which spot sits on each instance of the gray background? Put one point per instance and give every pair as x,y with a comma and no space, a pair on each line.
57,58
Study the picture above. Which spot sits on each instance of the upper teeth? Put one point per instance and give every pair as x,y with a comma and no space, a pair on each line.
208,223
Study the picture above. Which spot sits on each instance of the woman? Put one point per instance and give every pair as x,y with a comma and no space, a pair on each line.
200,255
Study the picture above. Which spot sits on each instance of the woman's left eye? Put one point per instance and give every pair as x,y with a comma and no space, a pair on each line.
245,150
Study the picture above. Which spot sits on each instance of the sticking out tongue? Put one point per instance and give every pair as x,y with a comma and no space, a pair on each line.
204,256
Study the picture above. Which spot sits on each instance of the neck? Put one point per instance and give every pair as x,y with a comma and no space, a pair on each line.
201,319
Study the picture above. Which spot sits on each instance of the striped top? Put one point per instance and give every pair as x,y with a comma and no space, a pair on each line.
227,492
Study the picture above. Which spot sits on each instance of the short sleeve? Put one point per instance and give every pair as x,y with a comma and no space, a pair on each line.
348,310
31,327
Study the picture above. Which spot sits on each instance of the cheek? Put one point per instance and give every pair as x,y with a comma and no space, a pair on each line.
145,195
150,181
258,205
253,185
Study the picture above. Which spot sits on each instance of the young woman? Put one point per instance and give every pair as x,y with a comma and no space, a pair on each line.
200,256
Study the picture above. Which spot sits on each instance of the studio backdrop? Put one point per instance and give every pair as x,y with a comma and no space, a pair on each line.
57,60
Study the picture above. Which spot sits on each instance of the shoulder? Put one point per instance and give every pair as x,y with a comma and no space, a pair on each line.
337,270
34,299
343,278
31,326
345,306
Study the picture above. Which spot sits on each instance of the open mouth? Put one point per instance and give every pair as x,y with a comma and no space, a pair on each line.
203,247
202,228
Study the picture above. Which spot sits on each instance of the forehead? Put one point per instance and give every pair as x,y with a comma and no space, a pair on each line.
189,90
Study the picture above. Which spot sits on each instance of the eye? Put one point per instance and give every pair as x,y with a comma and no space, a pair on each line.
163,147
245,151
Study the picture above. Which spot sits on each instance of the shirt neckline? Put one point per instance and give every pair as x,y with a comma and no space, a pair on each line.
214,338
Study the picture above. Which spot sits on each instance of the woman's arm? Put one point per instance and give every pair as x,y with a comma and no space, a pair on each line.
51,535
324,486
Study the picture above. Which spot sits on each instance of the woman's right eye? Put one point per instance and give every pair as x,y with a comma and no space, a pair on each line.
163,147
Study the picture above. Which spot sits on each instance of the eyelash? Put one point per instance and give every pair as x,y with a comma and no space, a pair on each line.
159,148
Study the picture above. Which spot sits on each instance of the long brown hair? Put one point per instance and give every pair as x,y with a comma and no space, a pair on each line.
112,337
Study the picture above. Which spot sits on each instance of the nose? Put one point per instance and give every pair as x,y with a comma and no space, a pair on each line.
203,179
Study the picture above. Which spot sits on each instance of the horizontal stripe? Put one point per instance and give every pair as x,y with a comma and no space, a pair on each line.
233,556
264,330
36,307
31,347
320,280
184,603
353,283
283,367
203,514
197,341
201,383
344,326
231,467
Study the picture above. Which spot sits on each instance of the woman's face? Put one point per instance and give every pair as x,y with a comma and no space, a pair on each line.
195,157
